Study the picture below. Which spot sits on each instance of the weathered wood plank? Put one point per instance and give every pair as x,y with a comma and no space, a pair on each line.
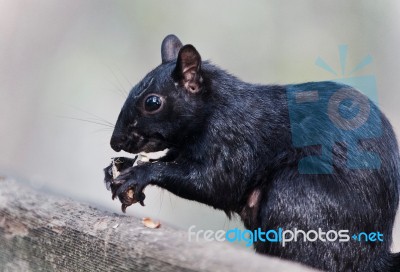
40,232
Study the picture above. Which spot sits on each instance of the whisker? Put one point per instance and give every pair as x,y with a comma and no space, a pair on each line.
119,90
121,87
94,115
103,130
125,77
85,120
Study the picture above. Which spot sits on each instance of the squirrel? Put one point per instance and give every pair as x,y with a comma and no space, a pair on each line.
231,146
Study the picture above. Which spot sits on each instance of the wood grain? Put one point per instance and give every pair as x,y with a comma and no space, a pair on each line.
42,232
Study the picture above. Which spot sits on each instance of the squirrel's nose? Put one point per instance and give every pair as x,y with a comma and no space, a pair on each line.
117,142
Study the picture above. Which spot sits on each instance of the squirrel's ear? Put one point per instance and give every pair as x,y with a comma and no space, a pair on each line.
188,68
169,48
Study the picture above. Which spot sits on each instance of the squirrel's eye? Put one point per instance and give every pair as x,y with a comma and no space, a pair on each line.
152,103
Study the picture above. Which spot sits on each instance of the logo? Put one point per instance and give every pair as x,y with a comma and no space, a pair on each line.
341,110
281,236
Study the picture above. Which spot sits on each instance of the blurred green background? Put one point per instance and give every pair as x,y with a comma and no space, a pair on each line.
76,59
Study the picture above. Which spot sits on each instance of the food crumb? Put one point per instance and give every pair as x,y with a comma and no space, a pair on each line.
148,222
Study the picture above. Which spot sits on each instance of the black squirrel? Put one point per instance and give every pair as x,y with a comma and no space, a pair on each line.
231,147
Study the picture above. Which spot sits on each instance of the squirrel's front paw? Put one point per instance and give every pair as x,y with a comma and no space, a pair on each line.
112,172
108,176
130,192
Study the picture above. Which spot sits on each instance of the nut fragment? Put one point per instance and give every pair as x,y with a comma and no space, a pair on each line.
127,199
144,157
148,222
130,193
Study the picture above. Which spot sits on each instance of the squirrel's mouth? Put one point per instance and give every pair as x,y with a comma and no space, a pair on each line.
147,144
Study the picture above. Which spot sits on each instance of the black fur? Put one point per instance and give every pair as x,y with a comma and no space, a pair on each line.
231,148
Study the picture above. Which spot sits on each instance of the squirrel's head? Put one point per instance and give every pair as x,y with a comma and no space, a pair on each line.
166,108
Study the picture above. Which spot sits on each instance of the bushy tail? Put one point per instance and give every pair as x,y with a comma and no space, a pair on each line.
389,263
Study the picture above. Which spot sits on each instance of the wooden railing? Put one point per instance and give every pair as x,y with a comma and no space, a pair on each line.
41,232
